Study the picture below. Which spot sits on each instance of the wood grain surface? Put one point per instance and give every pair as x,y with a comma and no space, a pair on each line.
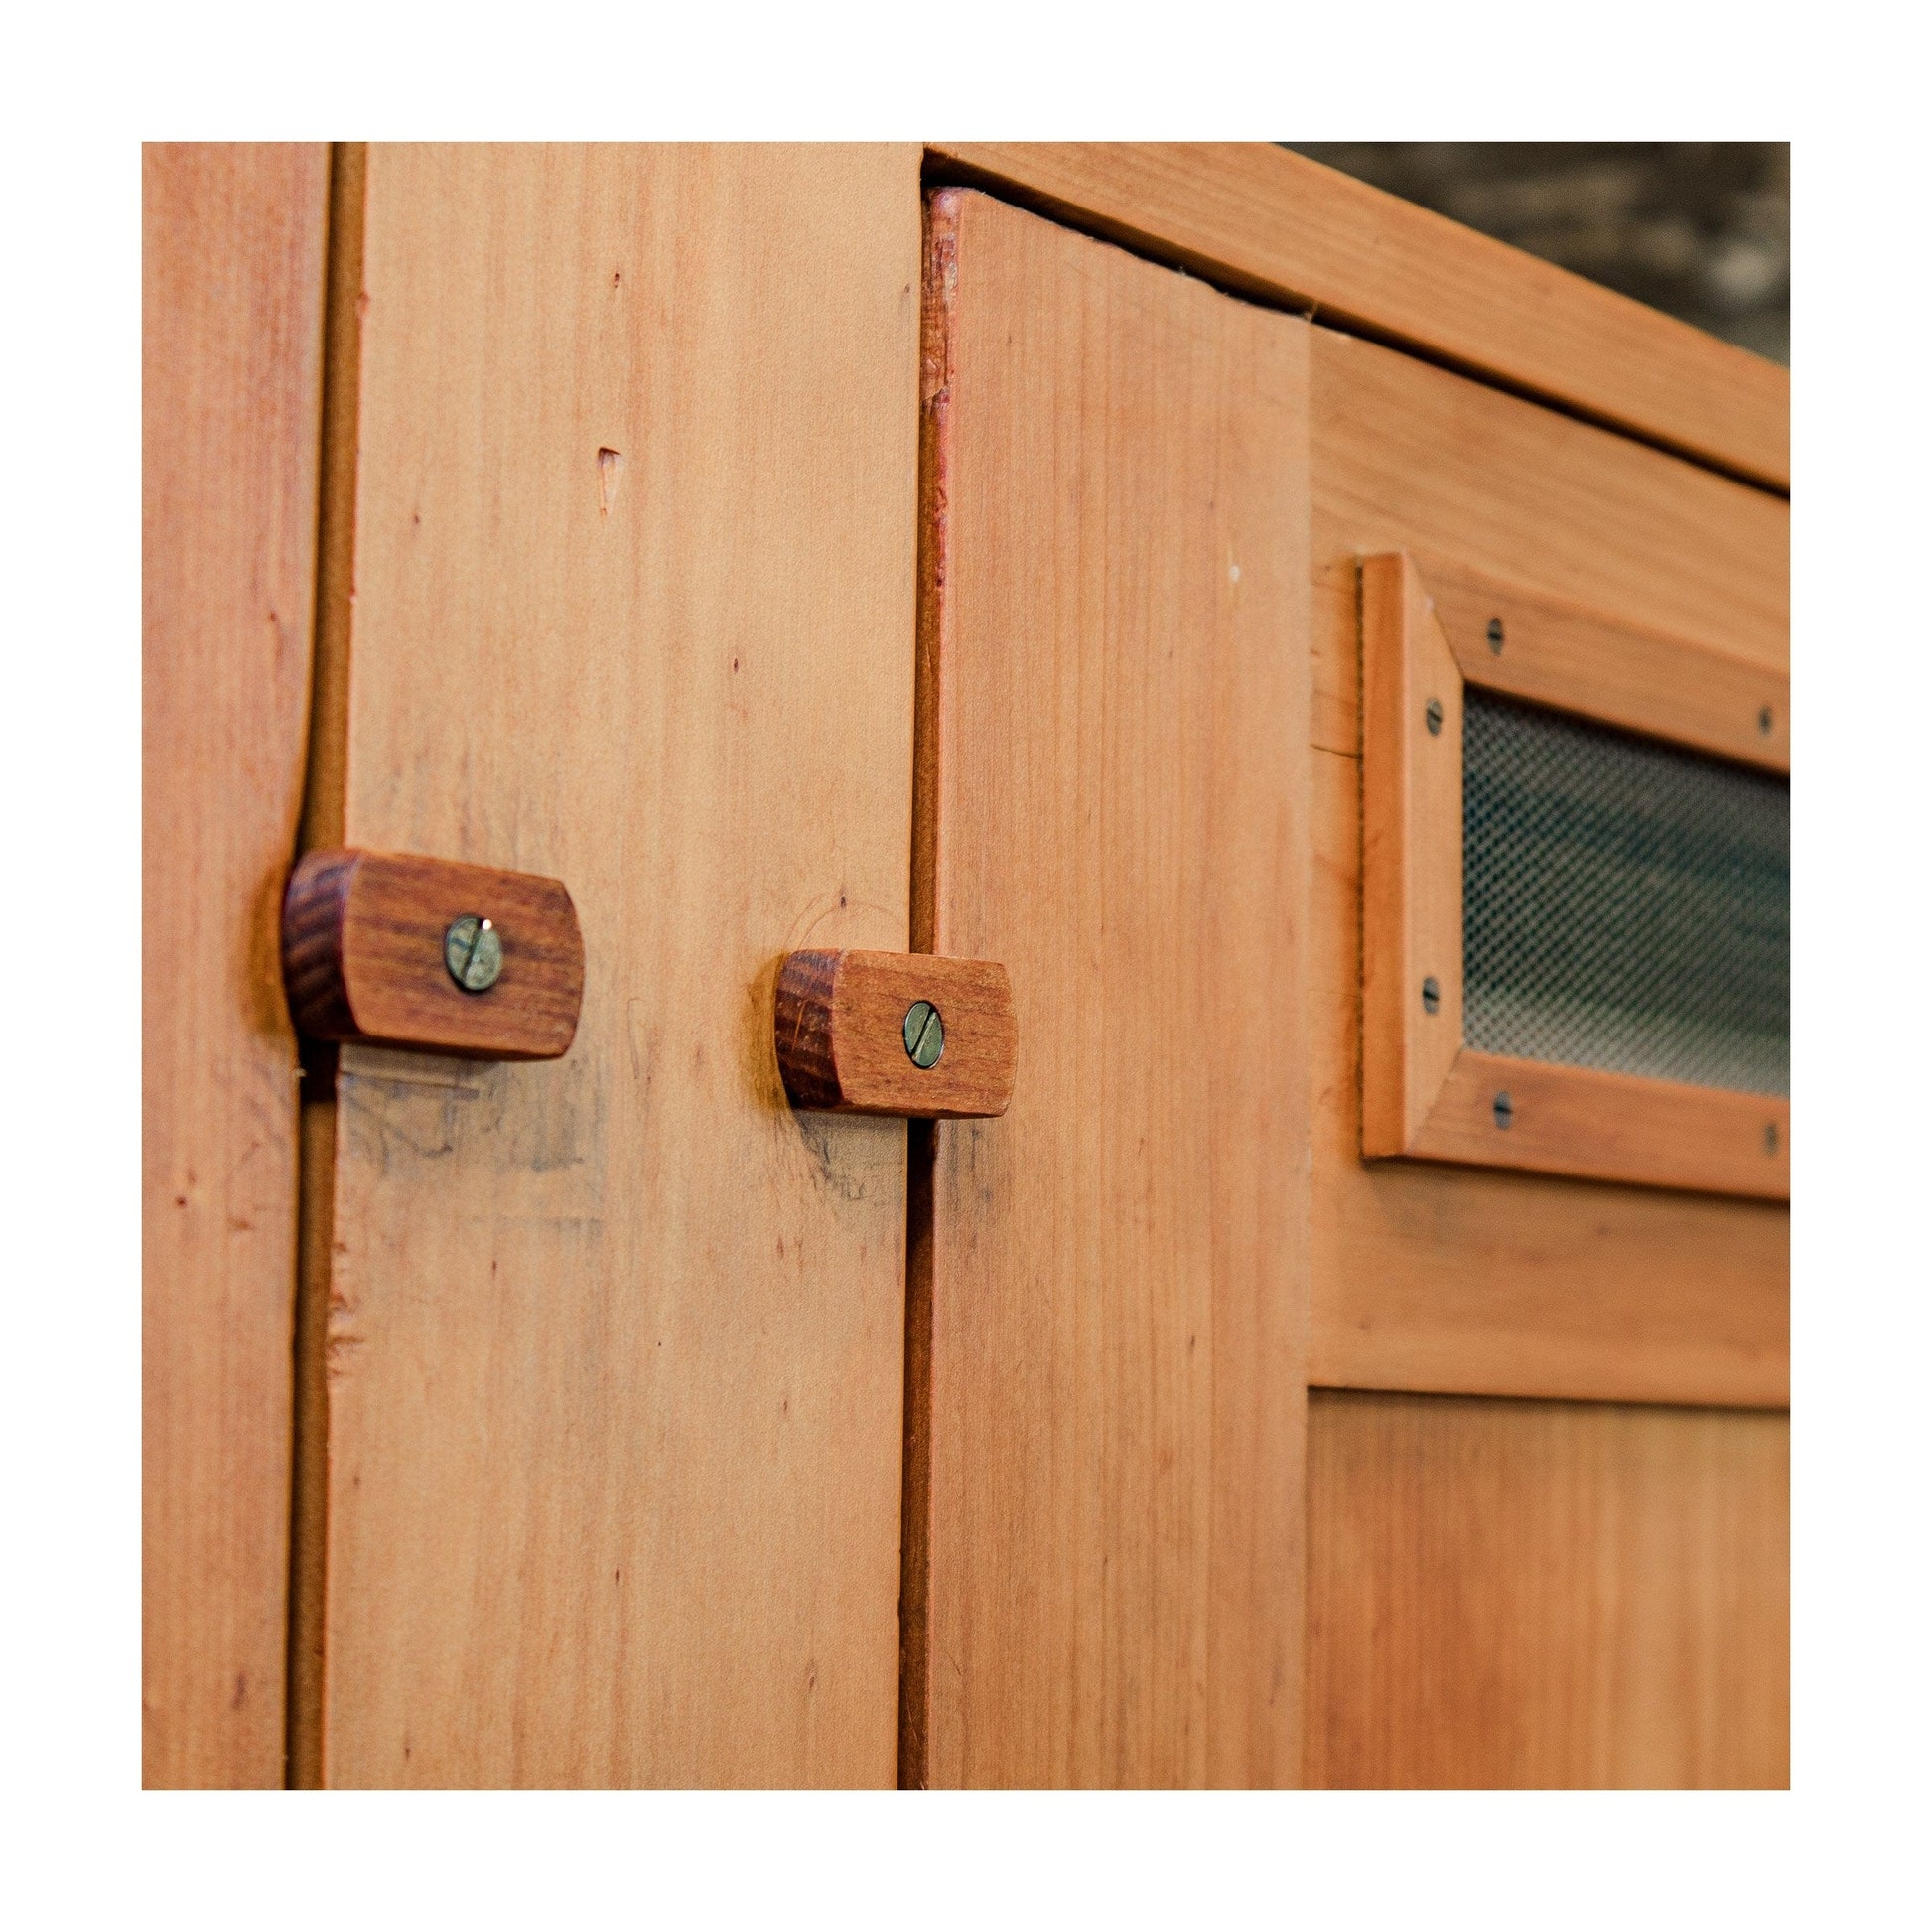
614,1343
1412,457
1412,856
839,1023
1438,1278
1556,653
362,955
232,319
1580,1120
1545,1593
1104,1570
1279,226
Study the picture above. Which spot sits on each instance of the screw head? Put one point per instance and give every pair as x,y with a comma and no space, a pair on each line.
1771,1137
1432,994
1496,636
1764,720
924,1032
1503,1108
473,951
1433,717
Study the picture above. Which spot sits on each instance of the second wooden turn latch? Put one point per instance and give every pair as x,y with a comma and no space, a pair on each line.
887,1032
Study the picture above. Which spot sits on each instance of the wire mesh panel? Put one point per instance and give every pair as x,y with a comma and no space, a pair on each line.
1627,904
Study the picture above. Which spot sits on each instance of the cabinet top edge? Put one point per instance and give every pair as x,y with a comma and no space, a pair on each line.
1277,227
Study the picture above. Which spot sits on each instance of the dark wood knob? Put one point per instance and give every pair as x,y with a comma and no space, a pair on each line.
398,950
889,1032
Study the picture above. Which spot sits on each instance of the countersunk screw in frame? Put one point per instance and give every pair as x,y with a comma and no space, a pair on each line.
1432,994
1496,636
1433,717
473,951
925,1034
1504,1108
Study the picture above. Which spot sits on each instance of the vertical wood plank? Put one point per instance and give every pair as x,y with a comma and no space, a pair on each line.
232,241
1109,1583
615,1345
1547,1594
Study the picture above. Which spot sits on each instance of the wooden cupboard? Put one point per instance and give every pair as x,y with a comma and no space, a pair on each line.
947,551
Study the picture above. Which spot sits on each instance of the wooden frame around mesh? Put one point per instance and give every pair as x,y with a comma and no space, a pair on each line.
1428,627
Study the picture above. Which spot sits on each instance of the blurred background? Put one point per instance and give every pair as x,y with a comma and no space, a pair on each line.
1701,229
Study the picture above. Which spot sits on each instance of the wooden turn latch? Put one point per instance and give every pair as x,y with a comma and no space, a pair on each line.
398,950
394,949
891,1033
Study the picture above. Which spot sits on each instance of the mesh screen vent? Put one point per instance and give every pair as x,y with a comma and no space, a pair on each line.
1627,904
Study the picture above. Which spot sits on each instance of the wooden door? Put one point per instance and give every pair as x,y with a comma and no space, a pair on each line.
1129,476
613,1344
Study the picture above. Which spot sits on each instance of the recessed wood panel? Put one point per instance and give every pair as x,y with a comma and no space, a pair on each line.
231,320
1545,1593
615,1342
1104,1547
